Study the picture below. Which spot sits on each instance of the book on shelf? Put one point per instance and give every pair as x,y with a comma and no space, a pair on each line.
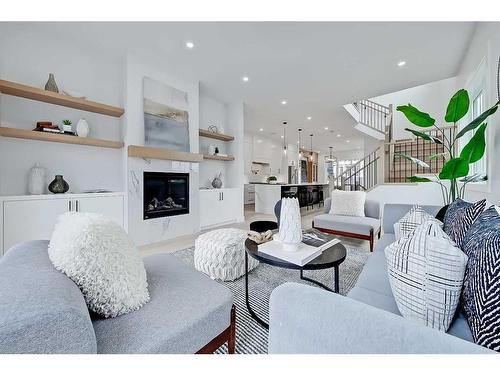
313,244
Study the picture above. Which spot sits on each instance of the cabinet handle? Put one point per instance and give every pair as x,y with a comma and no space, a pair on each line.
222,195
77,209
69,205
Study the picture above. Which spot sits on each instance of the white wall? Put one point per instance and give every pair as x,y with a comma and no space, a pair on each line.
212,112
28,56
486,45
432,98
424,194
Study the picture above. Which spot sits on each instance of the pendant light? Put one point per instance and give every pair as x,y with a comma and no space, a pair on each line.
311,156
300,152
331,153
284,137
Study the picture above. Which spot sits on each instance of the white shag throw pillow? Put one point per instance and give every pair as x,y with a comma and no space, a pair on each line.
413,218
348,203
97,254
426,273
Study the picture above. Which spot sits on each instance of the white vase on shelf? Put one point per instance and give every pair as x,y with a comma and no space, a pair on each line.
82,128
36,183
290,231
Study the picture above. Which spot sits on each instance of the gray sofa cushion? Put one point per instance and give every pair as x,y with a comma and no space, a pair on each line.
374,276
41,310
186,311
380,301
385,241
351,224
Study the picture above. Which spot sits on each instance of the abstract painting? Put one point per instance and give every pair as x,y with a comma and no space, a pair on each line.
166,117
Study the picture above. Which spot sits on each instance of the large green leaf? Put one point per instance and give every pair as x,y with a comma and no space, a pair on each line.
478,120
425,136
477,177
454,168
474,150
418,179
458,106
419,162
415,116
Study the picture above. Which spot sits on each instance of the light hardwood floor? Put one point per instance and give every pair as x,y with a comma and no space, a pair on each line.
250,216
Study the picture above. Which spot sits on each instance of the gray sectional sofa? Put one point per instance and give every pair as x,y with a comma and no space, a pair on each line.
366,321
43,311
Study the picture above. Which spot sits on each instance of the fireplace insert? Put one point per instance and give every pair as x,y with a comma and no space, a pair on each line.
165,194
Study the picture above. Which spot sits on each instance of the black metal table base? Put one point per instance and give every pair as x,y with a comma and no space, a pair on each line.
247,299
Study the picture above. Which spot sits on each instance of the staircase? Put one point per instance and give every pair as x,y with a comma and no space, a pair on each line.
372,118
363,175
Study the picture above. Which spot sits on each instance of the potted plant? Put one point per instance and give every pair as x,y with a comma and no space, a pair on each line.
456,166
272,180
67,128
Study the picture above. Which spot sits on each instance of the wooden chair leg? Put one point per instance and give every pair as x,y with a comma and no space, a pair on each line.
231,341
371,241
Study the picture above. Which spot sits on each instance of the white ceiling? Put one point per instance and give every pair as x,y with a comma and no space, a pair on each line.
316,67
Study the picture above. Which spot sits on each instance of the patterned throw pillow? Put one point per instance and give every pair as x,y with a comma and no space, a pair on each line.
481,293
426,272
459,218
413,218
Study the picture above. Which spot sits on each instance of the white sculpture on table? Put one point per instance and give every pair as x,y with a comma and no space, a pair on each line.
290,231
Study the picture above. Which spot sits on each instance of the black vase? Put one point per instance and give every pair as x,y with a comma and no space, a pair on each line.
58,186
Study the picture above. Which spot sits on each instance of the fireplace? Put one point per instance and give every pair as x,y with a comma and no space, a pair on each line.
165,194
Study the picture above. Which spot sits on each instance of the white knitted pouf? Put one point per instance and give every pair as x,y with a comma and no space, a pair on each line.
221,254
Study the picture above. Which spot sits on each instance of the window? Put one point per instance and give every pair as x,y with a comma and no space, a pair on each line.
477,92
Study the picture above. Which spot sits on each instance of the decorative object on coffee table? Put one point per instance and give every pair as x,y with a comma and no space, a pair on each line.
58,185
36,184
330,258
217,181
290,229
82,128
51,84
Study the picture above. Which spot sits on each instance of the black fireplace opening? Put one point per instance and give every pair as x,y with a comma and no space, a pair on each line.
165,194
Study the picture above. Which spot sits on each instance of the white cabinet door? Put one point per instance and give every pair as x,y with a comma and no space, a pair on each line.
31,219
111,207
228,205
210,205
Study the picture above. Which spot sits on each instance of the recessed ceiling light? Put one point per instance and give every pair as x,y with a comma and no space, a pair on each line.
309,117
298,141
283,102
347,140
190,45
402,63
261,130
326,127
259,140
338,135
282,136
245,79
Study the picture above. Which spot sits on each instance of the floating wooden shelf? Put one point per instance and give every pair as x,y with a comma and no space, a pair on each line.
60,138
35,93
218,157
220,137
164,154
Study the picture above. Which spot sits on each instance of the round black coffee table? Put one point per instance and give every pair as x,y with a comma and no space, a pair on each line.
329,258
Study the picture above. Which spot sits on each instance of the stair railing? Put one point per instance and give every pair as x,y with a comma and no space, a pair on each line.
361,176
374,115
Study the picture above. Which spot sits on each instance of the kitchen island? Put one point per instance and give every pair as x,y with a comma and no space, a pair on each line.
309,194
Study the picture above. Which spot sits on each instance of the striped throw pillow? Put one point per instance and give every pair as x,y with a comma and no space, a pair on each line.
459,218
481,292
426,273
413,218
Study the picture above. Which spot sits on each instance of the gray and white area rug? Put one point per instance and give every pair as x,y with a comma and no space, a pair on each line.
251,337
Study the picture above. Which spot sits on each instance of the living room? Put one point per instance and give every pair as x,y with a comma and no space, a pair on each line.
209,187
